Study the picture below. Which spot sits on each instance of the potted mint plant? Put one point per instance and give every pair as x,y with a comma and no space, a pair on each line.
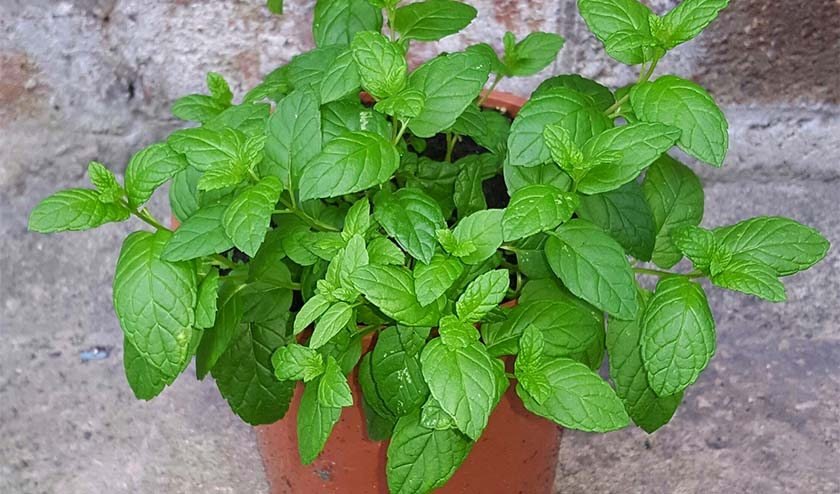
391,250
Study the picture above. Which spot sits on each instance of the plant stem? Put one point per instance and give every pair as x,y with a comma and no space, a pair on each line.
401,132
451,139
223,261
146,217
661,273
253,175
497,78
643,77
510,375
509,248
314,223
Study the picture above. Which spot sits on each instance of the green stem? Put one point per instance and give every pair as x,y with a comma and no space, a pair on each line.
497,78
509,248
314,223
145,216
643,77
253,175
451,139
223,261
510,375
661,273
401,132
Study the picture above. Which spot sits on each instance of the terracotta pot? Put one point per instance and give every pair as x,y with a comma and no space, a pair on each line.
516,454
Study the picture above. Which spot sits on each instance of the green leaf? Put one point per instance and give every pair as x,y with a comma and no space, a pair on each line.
690,18
451,83
351,162
347,115
518,177
383,251
574,111
247,219
568,327
184,193
455,333
404,105
688,107
529,363
483,229
648,411
625,215
155,302
432,416
678,337
297,362
357,221
197,108
146,380
275,6
225,327
532,54
310,312
593,267
600,94
432,20
333,390
149,169
469,192
697,244
310,68
206,148
395,368
488,128
579,398
537,208
378,419
675,197
432,280
411,217
315,423
639,145
200,235
105,182
464,381
337,21
341,78
634,46
391,289
74,210
382,65
291,143
333,320
751,278
421,459
482,295
781,243
219,88
208,292
606,17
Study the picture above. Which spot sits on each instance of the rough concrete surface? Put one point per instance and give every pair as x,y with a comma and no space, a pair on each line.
93,79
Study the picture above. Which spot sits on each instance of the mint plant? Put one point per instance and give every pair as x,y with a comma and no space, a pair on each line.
320,236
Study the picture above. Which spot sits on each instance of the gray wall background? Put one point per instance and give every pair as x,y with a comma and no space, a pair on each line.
93,79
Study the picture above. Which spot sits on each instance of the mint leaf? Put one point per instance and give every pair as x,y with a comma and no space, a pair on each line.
337,21
315,422
333,390
432,20
455,333
200,235
634,46
639,145
204,148
184,193
382,66
648,411
74,210
395,368
333,320
567,327
451,83
482,229
351,162
149,169
411,217
518,177
751,278
225,327
482,295
464,382
529,363
678,338
379,419
247,219
105,182
606,17
310,68
357,221
341,78
310,312
432,280
391,289
205,307
625,215
469,191
296,362
383,251
697,244
404,105
432,416
593,267
579,398
275,6
197,108
291,143
145,380
780,243
219,88
600,94
155,302
532,54
537,208
689,18
675,197
575,112
421,459
688,107
346,115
